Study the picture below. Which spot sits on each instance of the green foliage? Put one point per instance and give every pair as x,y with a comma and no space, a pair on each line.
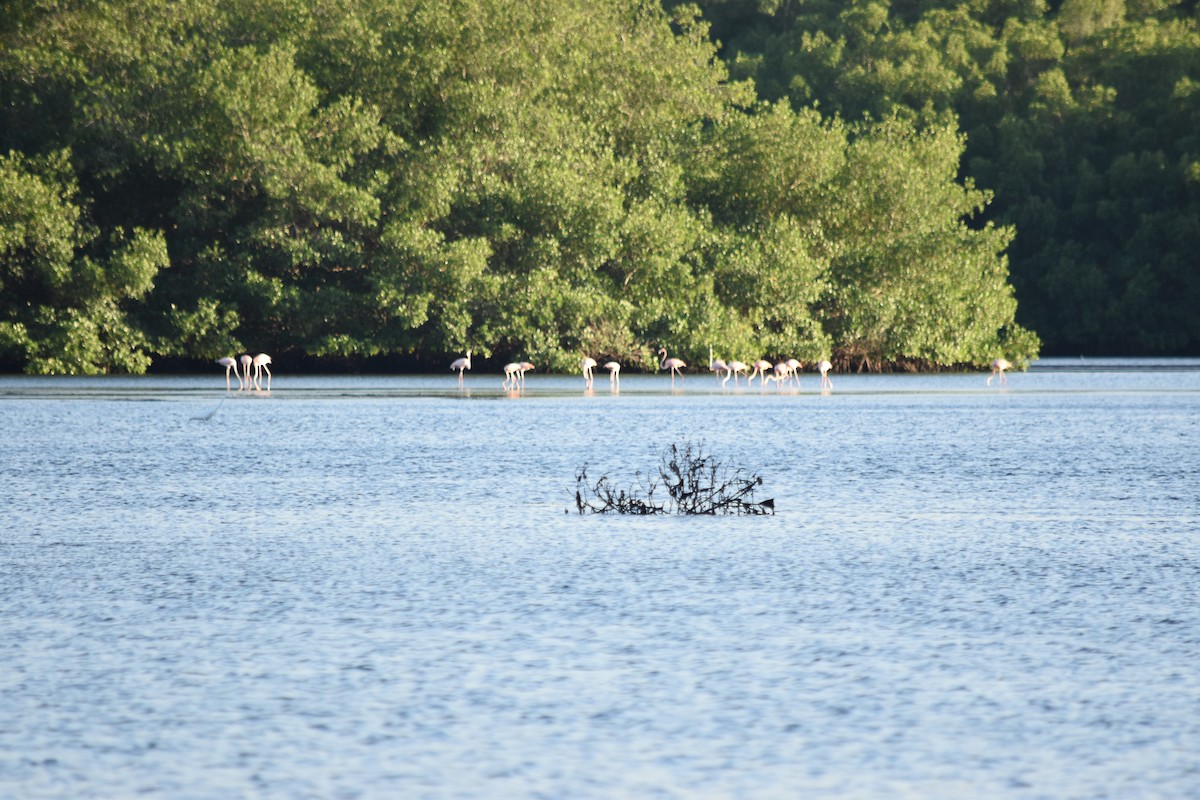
1081,117
536,180
64,287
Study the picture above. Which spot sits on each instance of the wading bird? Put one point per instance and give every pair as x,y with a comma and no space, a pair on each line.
260,363
512,373
734,368
760,369
783,373
526,366
461,364
246,360
229,364
209,415
823,366
587,365
673,364
998,367
795,367
614,372
716,365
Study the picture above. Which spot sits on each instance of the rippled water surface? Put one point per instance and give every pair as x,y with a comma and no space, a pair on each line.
368,587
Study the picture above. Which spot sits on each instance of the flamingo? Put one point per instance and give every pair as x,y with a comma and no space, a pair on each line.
512,373
998,367
783,372
795,366
461,364
734,368
673,364
587,364
823,366
229,364
260,362
760,369
525,367
614,372
717,365
246,360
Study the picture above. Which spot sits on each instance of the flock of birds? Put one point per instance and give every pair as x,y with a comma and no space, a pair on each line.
244,378
781,372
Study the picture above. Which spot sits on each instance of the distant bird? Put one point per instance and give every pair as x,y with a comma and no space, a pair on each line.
795,367
734,368
673,364
461,364
823,366
512,372
526,366
998,367
760,369
246,360
716,365
587,365
260,363
207,416
230,365
614,372
783,373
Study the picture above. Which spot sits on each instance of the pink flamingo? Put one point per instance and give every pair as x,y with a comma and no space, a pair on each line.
587,365
717,365
526,366
246,360
734,369
782,373
760,369
512,373
229,364
673,364
823,366
260,363
998,367
795,366
461,364
614,372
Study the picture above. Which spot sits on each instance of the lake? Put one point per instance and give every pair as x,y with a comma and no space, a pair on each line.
368,587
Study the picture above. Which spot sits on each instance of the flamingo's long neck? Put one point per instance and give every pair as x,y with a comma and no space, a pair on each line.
663,364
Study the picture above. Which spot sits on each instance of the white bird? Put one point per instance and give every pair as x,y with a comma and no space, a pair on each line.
229,364
760,368
673,364
614,372
246,360
260,363
461,364
209,415
998,367
512,372
526,366
716,365
734,368
823,366
795,366
587,365
783,372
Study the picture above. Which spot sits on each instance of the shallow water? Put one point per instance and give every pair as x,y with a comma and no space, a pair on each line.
368,587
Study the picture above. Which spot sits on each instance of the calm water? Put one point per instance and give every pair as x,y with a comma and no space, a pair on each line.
368,587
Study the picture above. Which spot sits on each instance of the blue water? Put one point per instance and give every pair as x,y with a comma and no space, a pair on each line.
369,587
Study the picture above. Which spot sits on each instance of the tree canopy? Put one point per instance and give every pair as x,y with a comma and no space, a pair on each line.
344,179
1081,116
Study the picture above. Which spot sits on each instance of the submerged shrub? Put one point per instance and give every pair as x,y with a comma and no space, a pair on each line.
695,482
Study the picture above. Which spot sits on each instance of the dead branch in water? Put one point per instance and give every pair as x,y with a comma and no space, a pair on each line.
696,483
